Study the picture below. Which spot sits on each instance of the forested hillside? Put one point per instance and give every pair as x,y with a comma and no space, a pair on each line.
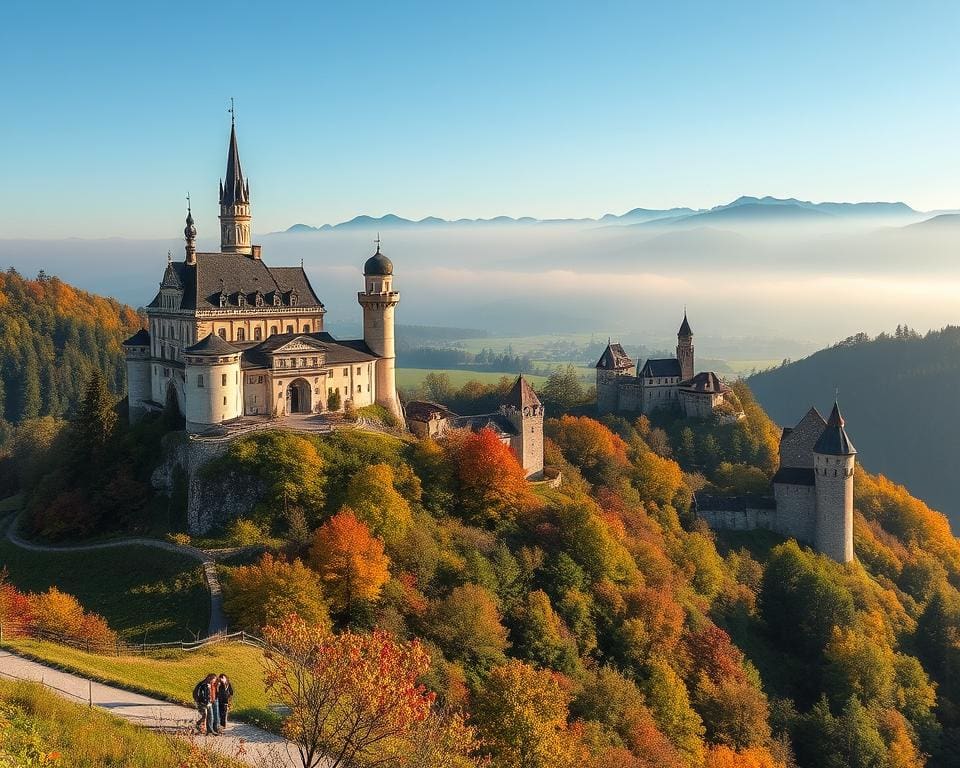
52,338
598,624
901,397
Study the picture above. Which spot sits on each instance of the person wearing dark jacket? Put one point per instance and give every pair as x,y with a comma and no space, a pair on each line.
201,697
224,695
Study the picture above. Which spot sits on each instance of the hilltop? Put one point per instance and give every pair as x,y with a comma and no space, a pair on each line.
900,390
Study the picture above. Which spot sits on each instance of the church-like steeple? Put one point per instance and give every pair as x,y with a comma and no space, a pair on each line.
234,200
190,236
685,349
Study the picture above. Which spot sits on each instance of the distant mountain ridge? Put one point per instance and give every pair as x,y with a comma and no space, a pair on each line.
744,209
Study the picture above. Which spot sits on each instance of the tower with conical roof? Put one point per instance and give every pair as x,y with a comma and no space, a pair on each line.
234,201
834,459
524,411
685,349
378,300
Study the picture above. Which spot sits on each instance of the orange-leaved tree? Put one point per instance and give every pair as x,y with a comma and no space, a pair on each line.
491,482
61,614
354,699
350,560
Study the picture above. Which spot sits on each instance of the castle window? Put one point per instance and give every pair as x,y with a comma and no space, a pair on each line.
223,299
257,334
293,362
289,329
276,301
303,362
223,379
346,391
259,299
200,380
224,400
359,388
314,362
306,327
358,370
273,329
293,299
259,379
241,334
346,371
222,333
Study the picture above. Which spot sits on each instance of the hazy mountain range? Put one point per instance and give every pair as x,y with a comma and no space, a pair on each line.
744,210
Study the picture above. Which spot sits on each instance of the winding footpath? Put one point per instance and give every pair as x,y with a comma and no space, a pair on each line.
244,743
218,621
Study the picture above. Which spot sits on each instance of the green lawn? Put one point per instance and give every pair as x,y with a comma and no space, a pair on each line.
170,676
37,719
409,378
140,591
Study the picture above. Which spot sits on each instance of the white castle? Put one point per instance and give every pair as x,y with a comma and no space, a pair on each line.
230,337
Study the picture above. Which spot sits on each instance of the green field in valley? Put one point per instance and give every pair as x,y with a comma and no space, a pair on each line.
410,378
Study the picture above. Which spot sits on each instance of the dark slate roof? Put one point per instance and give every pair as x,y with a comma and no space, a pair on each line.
235,274
140,339
257,354
614,358
171,277
715,503
522,395
794,476
424,410
495,421
685,327
705,382
834,441
668,366
212,345
233,188
378,264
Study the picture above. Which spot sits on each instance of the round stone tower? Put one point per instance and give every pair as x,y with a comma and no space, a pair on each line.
212,389
378,301
834,459
136,349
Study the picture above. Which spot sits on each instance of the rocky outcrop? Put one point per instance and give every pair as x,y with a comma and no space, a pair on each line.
212,500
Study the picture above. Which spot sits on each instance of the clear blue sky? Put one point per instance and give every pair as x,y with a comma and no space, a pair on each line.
112,111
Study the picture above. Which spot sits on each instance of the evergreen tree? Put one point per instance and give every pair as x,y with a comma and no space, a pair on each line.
95,425
30,401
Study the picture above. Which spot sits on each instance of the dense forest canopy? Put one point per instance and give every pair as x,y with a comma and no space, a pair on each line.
900,394
52,338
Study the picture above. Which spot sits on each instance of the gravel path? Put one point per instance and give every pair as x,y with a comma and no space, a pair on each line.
218,621
259,747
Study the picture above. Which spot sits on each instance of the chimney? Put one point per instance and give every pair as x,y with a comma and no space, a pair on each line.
255,251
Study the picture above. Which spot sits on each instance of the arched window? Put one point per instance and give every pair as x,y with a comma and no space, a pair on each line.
257,334
273,330
222,333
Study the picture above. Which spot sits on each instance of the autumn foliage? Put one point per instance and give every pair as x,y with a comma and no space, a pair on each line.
350,561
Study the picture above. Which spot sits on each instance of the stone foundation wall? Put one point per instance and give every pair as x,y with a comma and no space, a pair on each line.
738,520
796,514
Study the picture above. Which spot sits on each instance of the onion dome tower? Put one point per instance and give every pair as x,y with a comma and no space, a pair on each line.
834,459
190,236
378,301
234,200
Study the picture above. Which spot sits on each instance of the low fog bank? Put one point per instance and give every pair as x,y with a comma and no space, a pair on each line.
800,288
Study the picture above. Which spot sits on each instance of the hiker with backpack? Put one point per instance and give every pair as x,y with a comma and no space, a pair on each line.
205,697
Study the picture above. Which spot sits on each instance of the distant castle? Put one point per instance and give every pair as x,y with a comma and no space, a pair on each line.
812,490
662,383
230,337
518,424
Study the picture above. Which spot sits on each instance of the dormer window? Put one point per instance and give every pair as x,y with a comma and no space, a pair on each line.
241,299
259,299
223,299
276,299
293,298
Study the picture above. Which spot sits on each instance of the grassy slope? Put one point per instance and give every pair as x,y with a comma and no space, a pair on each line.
138,590
170,676
84,738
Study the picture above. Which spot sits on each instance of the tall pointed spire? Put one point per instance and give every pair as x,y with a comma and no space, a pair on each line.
235,200
190,235
835,441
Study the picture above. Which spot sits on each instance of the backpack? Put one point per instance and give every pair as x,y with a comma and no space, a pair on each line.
201,693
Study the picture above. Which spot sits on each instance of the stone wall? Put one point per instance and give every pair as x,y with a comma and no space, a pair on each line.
796,447
796,514
834,489
748,519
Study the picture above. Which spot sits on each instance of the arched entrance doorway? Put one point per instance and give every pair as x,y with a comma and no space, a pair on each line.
298,397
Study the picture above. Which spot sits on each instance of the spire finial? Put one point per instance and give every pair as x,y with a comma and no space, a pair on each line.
169,256
301,262
377,241
233,113
188,203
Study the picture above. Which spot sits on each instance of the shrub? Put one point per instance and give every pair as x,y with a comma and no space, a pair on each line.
244,533
333,400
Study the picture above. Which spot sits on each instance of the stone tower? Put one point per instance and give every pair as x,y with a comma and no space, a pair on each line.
685,349
234,203
136,350
612,365
834,458
378,301
212,386
524,411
